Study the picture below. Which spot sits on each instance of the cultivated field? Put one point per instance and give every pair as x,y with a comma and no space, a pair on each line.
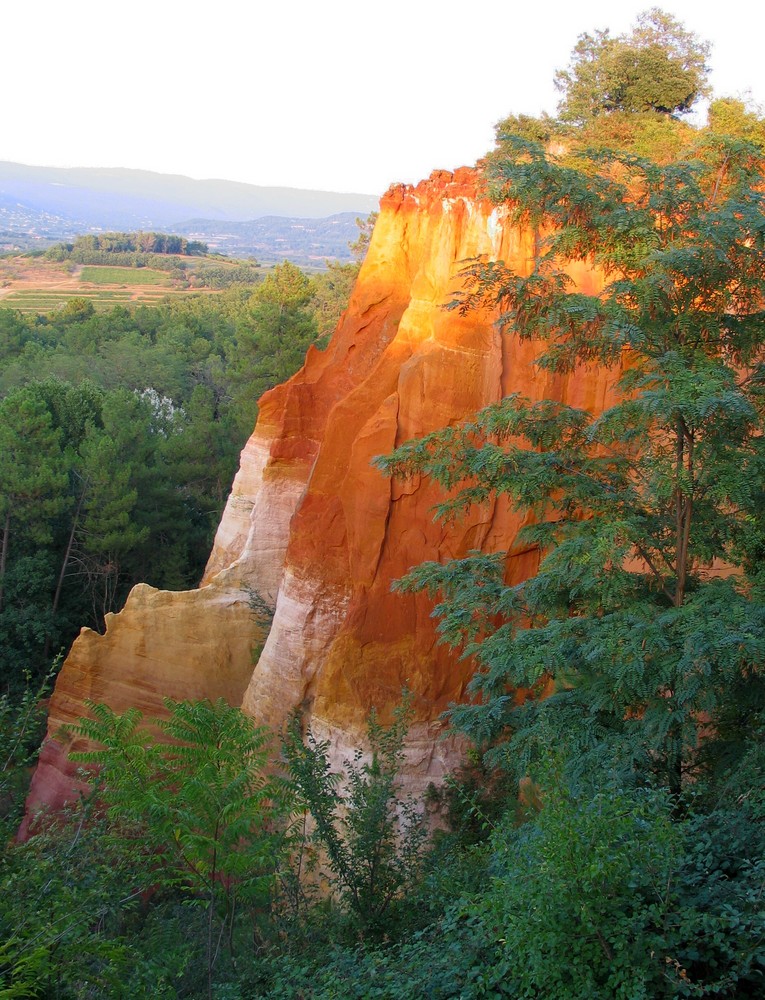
99,275
34,285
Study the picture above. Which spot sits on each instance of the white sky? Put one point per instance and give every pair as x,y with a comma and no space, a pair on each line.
337,95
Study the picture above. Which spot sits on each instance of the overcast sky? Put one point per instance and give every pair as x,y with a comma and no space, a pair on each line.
339,95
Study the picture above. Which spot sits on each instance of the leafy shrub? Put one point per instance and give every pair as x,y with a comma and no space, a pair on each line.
372,838
197,807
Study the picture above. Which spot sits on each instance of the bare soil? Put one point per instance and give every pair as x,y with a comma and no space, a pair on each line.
32,274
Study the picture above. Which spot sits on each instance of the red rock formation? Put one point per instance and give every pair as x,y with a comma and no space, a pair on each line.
317,531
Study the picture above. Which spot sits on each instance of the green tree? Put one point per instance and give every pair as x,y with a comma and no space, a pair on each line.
22,726
272,340
67,895
106,532
75,411
360,245
657,67
373,839
636,509
738,119
196,805
332,289
603,894
32,474
202,453
77,310
140,401
14,333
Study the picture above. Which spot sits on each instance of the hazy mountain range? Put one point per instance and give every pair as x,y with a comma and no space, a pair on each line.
40,205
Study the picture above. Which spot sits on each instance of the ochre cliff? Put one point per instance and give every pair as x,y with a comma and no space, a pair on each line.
316,531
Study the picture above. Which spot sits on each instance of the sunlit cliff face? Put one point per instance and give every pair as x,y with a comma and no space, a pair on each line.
317,532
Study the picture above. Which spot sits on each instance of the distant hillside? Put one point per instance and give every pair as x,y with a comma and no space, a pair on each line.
303,241
24,227
53,203
130,199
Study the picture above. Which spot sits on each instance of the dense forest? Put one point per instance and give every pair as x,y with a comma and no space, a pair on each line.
120,434
604,841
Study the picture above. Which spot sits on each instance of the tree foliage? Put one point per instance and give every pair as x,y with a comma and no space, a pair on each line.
331,290
22,725
636,509
197,804
373,839
360,245
658,67
625,859
273,345
124,452
737,119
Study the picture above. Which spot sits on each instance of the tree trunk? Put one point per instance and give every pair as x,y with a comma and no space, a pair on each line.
4,554
62,573
683,508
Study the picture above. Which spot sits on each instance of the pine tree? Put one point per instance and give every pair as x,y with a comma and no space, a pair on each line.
273,340
33,492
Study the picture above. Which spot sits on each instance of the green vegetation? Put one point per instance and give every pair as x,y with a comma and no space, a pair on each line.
605,841
658,67
629,92
33,303
127,283
200,809
122,275
102,246
670,477
152,258
373,840
190,850
124,425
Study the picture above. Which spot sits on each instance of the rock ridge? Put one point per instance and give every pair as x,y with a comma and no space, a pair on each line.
319,533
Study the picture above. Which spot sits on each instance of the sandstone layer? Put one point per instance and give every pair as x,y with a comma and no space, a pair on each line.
314,530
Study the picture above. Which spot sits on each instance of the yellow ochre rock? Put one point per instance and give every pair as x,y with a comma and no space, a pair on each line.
318,533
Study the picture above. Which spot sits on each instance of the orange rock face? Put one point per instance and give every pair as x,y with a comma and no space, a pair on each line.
319,533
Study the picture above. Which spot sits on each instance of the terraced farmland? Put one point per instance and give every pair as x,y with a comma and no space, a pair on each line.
32,285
